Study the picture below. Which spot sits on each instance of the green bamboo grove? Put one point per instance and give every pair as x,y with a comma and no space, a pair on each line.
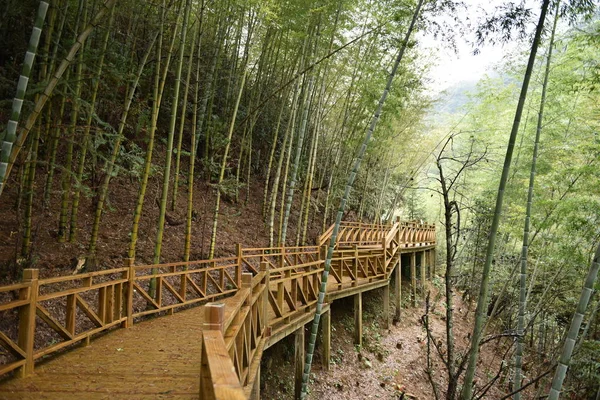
168,131
264,94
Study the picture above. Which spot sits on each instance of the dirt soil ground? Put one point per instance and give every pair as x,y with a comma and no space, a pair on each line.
240,222
391,362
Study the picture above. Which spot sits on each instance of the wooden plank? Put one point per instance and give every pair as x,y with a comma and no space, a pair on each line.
274,304
219,287
291,302
173,291
110,304
11,346
52,322
146,296
13,304
118,302
195,287
223,382
87,310
71,314
11,366
102,304
86,288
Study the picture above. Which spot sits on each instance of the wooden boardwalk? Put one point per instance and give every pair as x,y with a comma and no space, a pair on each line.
159,358
173,356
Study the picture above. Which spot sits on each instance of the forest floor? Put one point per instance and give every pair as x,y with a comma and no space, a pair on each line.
391,361
239,222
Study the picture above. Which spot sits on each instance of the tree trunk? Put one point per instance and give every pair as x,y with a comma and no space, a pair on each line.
8,156
170,139
11,130
525,247
565,357
480,312
361,152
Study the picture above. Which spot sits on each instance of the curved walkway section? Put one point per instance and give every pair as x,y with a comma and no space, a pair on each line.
258,297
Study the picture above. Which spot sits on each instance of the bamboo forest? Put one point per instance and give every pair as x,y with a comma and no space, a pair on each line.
300,199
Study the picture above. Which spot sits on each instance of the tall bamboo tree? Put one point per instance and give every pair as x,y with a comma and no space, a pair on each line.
47,92
182,124
525,247
190,191
308,90
213,236
342,207
481,310
170,139
66,177
110,163
88,126
571,338
159,85
10,137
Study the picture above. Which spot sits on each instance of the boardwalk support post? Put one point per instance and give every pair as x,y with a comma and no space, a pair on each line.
299,361
326,336
386,306
255,395
27,315
422,267
358,318
413,277
398,288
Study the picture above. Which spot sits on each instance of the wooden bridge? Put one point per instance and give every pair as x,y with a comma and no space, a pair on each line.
257,297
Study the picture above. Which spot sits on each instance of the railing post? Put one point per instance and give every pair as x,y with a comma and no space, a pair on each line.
247,284
355,266
384,246
214,317
128,323
238,270
264,267
27,319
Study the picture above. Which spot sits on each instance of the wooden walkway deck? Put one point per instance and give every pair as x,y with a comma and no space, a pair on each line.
161,357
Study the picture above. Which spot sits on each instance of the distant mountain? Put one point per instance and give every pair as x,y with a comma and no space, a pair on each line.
452,99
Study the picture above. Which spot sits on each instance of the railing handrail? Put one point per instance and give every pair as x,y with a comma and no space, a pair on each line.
115,289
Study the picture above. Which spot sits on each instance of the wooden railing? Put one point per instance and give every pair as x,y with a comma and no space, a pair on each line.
233,339
356,233
286,282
